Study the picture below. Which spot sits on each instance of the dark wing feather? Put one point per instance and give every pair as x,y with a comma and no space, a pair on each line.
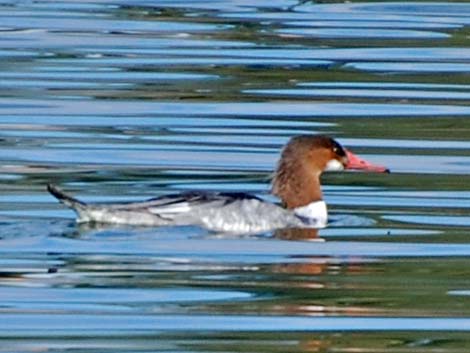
170,206
195,197
176,203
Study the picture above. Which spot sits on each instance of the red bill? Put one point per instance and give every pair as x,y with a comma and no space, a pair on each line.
357,163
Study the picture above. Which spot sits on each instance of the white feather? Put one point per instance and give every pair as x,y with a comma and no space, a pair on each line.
180,207
334,165
315,212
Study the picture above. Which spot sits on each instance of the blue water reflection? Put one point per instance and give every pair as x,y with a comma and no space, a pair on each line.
122,101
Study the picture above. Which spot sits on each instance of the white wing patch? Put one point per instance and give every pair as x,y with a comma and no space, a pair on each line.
180,207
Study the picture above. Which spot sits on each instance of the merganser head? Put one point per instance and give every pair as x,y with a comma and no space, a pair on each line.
304,158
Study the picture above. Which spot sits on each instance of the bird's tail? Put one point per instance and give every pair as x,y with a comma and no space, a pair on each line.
68,200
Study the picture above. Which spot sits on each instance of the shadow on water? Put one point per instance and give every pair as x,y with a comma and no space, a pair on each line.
124,101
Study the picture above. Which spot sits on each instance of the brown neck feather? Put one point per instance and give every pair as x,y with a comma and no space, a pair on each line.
296,184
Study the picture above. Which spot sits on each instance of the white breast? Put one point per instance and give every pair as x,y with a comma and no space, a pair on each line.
315,214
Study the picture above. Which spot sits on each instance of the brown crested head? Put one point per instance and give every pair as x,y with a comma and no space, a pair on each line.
304,158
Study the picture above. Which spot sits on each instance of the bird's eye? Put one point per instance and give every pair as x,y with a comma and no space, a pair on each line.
338,149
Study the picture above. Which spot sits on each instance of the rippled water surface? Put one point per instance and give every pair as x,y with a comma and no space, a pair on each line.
124,100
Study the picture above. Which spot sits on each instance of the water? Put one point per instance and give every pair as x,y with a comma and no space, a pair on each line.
118,100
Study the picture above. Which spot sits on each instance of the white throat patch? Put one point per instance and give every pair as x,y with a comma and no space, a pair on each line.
334,165
315,214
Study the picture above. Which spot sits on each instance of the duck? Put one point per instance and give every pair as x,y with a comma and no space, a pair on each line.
295,181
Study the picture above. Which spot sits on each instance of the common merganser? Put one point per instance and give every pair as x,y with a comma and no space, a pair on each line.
296,182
